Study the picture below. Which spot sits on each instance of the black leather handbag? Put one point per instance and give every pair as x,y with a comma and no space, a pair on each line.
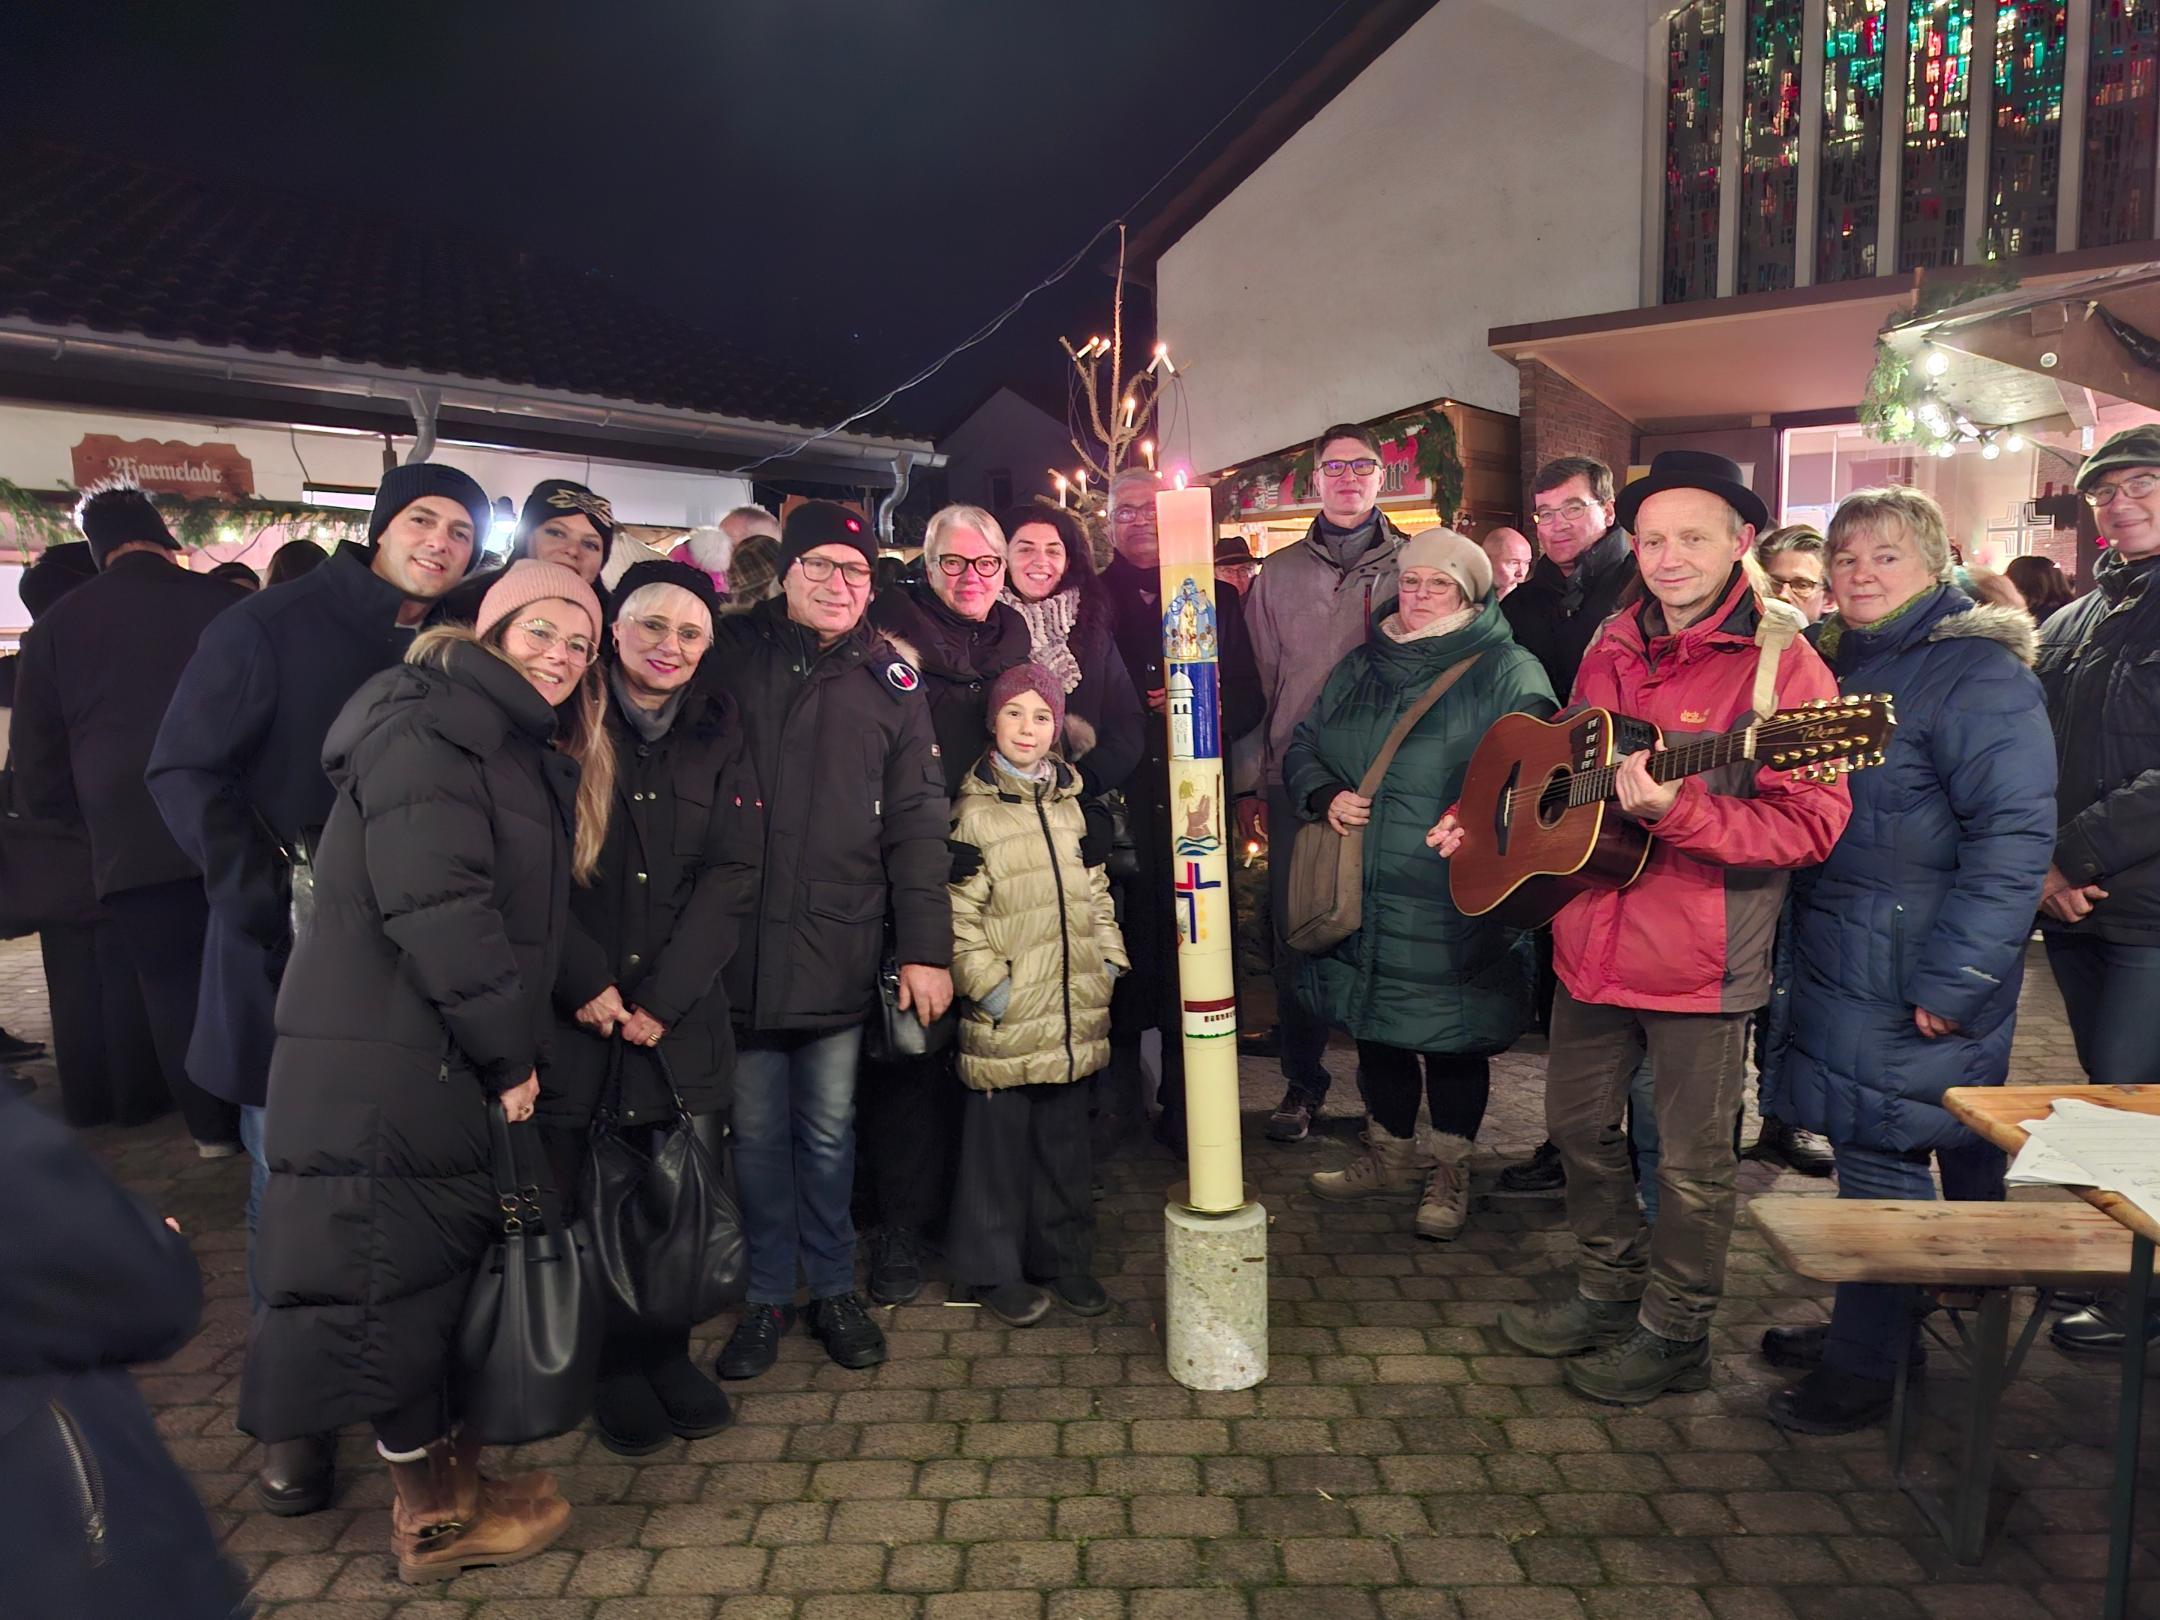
666,1229
528,1349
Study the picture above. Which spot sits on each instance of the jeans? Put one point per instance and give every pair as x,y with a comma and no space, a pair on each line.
795,1160
251,1138
1678,1270
1866,1318
1642,1133
2109,992
1303,1035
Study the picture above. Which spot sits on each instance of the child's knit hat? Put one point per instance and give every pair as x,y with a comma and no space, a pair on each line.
1028,678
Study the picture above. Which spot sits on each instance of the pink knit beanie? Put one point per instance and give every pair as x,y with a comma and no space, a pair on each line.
1028,678
528,581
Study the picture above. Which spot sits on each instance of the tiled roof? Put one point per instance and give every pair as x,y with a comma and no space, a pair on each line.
123,247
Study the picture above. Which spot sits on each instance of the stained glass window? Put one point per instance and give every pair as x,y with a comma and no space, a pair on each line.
1851,185
1938,107
2025,149
2115,190
1694,136
1769,145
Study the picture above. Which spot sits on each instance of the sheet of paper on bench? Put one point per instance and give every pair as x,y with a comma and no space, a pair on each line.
2082,1144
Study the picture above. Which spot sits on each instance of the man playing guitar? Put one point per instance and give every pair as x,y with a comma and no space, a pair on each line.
1674,964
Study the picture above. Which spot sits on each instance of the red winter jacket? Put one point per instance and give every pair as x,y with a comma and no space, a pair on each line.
1694,932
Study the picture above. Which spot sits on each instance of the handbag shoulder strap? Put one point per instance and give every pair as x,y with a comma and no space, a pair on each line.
1378,769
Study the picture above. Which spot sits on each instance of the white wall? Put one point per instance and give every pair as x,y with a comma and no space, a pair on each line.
1488,170
1006,431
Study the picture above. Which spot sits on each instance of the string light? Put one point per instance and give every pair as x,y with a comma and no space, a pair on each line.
1937,363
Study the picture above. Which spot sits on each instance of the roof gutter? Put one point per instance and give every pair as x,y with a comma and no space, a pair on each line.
740,439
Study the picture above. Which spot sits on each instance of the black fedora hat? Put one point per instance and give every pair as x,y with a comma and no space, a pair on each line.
1693,469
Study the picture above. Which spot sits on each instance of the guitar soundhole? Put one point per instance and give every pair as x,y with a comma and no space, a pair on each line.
1552,801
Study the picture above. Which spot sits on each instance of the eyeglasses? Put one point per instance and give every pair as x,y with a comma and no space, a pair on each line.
1426,584
689,637
2137,488
1795,587
544,636
953,567
1134,514
1565,512
1364,467
817,570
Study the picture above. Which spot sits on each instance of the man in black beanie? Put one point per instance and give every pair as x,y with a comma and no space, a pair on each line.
562,523
97,670
237,771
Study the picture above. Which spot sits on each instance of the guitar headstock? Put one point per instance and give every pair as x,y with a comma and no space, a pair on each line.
1828,738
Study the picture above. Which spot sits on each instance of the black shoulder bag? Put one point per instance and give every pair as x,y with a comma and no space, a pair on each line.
528,1349
668,1234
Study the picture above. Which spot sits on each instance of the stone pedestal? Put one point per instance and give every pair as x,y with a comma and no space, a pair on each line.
1216,1307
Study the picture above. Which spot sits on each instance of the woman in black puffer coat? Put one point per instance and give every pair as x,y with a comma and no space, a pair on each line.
417,995
1050,581
649,938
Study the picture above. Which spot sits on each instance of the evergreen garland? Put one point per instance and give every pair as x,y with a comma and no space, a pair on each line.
1890,405
1431,434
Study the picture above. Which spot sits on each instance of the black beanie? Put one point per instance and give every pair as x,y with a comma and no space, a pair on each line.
53,575
661,571
115,515
558,497
823,523
401,486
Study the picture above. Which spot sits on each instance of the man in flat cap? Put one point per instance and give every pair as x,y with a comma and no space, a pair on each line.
1675,965
2100,909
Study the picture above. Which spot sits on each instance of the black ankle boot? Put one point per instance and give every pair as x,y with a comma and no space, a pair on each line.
628,1416
1827,1401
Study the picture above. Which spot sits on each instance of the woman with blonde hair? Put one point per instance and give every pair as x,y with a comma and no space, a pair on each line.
472,784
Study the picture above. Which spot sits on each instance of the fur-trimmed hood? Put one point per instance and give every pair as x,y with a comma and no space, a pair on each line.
2009,627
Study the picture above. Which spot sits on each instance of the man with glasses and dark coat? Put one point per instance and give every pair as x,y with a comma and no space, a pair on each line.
1309,607
2100,907
1584,566
856,817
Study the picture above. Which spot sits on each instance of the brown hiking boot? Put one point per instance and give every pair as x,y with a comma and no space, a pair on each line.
433,1543
1387,1168
473,1485
1445,1208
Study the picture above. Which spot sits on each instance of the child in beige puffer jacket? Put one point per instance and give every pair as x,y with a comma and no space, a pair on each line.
1036,949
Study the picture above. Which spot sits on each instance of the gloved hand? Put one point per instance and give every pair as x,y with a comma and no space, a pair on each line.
966,860
1099,833
997,999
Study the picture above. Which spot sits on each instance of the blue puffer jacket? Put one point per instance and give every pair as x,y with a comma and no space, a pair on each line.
1928,899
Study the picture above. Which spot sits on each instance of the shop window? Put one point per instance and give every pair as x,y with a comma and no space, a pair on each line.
1938,114
1846,224
2115,190
1694,146
1770,145
997,489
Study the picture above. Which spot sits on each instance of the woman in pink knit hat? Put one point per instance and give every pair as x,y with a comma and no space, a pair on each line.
419,995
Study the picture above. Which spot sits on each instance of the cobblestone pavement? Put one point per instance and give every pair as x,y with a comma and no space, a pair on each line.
1398,1462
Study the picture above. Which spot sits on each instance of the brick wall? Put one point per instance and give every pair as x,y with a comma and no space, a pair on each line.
1559,419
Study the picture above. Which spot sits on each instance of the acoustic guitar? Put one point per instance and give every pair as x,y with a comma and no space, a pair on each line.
1540,824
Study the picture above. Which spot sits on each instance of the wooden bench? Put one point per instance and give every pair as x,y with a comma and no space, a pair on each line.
1981,1250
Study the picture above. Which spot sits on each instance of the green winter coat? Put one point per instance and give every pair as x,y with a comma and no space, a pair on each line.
1418,975
1037,920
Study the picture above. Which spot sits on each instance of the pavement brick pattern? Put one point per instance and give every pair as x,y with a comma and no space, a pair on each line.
1398,1462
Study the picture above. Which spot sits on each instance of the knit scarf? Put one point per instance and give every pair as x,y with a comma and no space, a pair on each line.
1346,548
1050,626
1446,625
1834,630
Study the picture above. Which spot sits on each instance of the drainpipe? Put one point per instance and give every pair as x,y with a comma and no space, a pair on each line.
426,402
902,465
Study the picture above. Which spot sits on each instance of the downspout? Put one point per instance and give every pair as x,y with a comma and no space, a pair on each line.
903,464
426,403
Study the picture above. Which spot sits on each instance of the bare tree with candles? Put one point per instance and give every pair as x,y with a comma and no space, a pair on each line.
1122,408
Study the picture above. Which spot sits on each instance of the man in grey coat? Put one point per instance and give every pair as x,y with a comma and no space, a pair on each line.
1312,603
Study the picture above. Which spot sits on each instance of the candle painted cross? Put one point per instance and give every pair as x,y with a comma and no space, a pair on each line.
1188,889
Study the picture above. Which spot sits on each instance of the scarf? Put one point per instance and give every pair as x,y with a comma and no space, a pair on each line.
1834,630
650,724
1040,772
1346,548
1446,625
1050,626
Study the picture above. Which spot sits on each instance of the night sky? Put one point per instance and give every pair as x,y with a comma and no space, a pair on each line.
849,186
